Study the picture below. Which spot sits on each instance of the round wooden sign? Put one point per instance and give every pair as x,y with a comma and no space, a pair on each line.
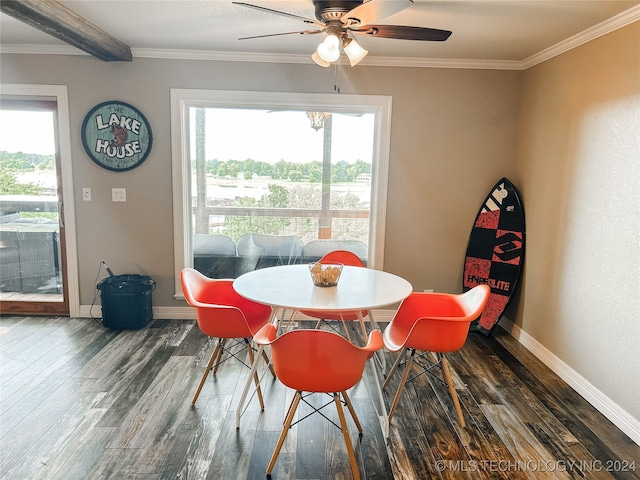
116,136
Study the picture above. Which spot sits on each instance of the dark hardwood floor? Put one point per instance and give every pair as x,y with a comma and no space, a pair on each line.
82,402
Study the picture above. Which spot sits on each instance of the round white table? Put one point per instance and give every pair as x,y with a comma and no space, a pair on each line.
289,287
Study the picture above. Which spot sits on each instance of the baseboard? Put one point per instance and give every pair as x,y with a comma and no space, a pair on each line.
618,416
188,313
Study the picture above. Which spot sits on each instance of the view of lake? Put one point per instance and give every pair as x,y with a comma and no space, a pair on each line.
258,187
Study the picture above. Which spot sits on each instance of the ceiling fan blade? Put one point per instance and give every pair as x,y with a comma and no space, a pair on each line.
374,10
284,14
403,32
303,32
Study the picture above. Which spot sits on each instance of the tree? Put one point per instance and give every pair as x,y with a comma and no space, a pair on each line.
223,169
340,172
10,186
278,197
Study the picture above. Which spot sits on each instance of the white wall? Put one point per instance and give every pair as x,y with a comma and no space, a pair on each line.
579,171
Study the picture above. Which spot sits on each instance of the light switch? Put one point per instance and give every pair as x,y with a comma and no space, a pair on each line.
86,194
118,194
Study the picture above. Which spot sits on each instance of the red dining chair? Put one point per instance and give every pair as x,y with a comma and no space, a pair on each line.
318,361
223,314
432,322
346,258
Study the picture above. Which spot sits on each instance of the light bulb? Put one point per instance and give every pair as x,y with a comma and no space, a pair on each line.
331,41
354,51
329,50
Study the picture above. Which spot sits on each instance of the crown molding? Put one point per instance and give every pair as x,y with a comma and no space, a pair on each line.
614,23
204,55
415,62
31,49
418,62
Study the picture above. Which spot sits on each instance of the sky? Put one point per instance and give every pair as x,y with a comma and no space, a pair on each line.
28,132
271,136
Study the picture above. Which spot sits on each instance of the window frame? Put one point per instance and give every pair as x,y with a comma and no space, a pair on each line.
184,99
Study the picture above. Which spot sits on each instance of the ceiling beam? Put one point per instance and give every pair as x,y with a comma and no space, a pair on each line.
57,20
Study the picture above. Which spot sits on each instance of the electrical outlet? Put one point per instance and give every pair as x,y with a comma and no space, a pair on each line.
86,194
118,194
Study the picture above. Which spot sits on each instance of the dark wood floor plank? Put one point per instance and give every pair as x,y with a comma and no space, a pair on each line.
233,449
87,459
373,465
31,374
563,402
408,447
80,401
195,444
481,450
276,396
538,419
67,442
24,452
132,394
265,442
30,408
619,443
482,442
310,456
336,458
29,331
159,410
529,453
564,454
285,468
188,339
438,427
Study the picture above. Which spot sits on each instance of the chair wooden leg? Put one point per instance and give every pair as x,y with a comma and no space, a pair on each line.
347,400
268,362
222,343
285,430
214,355
256,380
396,400
347,438
446,373
399,359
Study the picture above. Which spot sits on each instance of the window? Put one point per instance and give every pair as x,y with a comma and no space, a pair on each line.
305,167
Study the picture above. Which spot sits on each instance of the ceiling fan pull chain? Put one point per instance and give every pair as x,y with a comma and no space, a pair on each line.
336,87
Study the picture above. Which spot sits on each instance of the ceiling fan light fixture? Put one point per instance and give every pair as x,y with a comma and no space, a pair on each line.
316,58
329,49
354,51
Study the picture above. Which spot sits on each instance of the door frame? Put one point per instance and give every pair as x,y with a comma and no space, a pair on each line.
65,187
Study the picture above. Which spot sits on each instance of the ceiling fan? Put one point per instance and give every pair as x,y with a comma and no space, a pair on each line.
338,19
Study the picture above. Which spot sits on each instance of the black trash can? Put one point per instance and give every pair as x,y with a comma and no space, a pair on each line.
126,301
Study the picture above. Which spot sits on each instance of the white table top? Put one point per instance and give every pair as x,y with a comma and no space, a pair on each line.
290,287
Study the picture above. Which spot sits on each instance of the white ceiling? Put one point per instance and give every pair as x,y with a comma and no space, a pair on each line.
508,32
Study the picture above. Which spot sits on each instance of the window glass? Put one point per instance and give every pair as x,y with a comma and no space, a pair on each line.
261,179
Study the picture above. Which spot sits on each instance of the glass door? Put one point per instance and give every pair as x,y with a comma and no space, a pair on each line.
32,241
